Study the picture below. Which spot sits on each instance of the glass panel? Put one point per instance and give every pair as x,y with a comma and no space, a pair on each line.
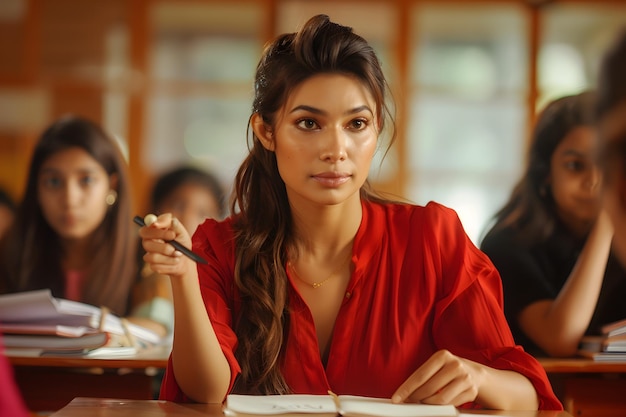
202,63
468,109
210,131
204,58
575,36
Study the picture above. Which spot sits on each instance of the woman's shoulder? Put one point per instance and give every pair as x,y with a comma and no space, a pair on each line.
407,209
215,225
434,217
216,234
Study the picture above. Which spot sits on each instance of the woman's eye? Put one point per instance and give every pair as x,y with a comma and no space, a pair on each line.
358,124
87,180
575,165
307,124
51,182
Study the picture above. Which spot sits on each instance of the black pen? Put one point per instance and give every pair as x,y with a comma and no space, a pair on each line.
185,251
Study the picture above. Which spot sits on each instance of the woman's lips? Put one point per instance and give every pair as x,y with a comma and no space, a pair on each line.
332,179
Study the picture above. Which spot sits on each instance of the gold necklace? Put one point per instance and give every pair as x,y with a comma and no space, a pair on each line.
315,285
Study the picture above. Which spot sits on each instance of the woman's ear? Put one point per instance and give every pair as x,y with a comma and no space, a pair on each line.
263,131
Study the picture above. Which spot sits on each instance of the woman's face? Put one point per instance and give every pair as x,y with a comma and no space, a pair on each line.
72,188
575,179
191,203
325,138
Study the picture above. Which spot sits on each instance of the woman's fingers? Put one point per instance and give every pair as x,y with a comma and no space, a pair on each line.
159,246
418,381
443,379
163,257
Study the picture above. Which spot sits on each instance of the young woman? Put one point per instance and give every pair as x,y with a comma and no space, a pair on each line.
551,241
73,231
315,283
192,196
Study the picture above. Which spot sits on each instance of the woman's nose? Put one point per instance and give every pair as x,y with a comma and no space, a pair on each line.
334,148
594,179
71,193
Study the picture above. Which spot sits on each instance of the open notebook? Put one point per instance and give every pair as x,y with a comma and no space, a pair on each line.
345,405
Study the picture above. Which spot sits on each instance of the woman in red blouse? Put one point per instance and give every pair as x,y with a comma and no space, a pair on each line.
316,283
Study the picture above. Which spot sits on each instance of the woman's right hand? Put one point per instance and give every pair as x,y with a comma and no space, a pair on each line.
162,257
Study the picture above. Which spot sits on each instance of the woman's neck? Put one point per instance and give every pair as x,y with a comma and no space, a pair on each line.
324,231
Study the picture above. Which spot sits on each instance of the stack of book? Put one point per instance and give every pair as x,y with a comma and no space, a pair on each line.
608,347
36,323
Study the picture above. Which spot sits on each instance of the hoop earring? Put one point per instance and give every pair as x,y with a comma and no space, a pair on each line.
111,197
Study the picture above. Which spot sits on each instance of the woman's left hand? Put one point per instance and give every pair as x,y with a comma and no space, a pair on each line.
443,379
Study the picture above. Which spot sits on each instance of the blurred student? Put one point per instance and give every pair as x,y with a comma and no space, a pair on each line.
73,231
192,196
551,241
316,282
7,212
612,122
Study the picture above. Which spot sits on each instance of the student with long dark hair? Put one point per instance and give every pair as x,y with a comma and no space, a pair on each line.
315,283
551,242
73,230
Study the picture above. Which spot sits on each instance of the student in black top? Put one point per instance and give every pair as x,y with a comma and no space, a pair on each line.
551,241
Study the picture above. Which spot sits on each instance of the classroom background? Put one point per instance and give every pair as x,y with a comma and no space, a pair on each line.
172,80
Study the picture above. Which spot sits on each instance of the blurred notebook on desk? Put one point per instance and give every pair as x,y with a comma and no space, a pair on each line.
616,328
609,346
37,320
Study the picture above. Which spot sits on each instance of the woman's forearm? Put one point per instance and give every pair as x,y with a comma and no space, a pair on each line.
200,367
558,325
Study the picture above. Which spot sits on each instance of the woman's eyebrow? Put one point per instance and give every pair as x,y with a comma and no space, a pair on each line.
572,152
310,109
315,110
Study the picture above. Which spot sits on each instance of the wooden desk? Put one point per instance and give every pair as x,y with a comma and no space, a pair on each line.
50,383
588,388
87,407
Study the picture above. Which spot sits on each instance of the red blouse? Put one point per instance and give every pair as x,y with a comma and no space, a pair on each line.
419,285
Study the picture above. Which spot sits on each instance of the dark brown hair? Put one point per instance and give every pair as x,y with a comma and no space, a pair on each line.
263,221
32,253
172,180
